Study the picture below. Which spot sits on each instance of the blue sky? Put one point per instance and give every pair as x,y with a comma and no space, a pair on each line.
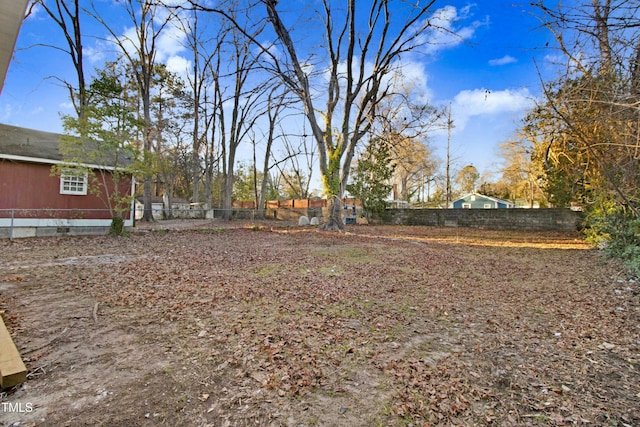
487,75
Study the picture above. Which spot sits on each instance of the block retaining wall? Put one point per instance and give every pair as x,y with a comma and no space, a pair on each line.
24,232
556,219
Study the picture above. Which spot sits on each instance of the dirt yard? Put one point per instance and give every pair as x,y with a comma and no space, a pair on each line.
288,326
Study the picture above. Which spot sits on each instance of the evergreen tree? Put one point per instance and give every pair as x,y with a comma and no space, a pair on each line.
371,176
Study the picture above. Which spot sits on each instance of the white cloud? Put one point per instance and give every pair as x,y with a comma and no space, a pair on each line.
68,105
170,42
127,41
446,31
36,12
489,104
507,59
176,2
412,75
179,65
94,54
271,48
554,60
481,119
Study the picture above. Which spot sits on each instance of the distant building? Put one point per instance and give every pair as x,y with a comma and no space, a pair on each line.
480,201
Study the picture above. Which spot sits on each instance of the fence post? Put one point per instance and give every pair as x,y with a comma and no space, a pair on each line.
11,227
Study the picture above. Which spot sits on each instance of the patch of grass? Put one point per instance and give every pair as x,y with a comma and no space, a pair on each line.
269,270
347,254
343,310
217,230
334,270
422,349
540,418
357,254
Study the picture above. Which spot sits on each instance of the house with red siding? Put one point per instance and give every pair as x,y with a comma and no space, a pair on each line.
36,201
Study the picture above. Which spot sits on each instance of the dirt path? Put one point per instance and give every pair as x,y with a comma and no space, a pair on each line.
257,325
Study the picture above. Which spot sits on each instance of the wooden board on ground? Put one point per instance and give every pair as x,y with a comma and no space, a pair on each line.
12,369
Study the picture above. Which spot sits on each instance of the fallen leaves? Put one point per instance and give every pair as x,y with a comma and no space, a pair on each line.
393,325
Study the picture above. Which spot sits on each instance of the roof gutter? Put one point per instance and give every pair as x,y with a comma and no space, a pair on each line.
54,162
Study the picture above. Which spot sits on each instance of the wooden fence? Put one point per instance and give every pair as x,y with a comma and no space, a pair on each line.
294,203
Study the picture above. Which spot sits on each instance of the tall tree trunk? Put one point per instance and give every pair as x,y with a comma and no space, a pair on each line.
63,15
147,214
195,158
334,219
228,189
601,16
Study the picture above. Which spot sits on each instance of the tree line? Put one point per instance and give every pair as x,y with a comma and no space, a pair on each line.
298,108
322,90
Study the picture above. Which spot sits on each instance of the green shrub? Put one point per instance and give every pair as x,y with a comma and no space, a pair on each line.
616,231
117,226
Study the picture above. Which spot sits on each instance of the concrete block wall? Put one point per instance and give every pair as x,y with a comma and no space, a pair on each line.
26,232
558,219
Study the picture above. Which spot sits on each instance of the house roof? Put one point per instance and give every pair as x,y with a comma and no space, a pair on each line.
11,16
16,141
508,203
30,145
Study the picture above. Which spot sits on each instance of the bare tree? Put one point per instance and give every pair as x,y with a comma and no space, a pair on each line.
296,167
245,100
404,124
170,112
413,162
363,50
66,14
196,30
212,154
277,102
362,53
140,51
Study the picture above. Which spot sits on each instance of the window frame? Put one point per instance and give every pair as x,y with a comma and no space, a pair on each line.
74,183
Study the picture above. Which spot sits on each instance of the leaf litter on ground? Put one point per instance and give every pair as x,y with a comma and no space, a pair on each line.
291,326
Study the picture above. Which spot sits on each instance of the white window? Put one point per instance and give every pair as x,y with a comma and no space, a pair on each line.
73,183
473,198
487,206
466,206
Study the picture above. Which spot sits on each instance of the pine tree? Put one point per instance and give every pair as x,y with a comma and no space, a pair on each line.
371,176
